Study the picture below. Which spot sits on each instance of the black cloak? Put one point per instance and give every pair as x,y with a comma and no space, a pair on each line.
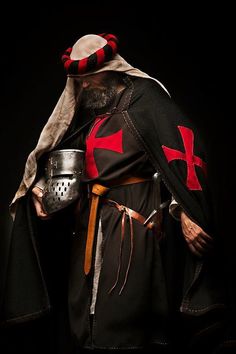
177,152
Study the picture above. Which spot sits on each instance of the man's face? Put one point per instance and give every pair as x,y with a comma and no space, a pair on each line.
99,90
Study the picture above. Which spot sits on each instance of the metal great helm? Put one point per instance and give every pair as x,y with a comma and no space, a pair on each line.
63,172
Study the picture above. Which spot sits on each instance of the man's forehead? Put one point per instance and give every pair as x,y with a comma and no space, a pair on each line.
91,77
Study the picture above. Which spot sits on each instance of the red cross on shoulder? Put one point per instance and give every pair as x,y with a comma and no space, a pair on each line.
188,156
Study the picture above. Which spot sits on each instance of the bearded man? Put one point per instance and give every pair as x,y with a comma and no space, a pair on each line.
114,266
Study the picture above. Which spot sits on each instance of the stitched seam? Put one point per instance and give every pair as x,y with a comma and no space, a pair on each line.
129,95
202,309
25,317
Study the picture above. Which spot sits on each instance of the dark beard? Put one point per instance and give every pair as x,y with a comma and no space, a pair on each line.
97,98
103,97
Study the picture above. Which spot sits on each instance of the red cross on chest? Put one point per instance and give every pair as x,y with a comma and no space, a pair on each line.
188,156
111,142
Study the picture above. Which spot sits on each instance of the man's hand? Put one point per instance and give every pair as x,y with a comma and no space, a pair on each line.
197,239
37,200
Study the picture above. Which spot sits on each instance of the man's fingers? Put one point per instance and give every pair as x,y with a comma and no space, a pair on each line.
206,244
198,245
37,192
197,236
195,242
37,200
194,250
206,237
39,208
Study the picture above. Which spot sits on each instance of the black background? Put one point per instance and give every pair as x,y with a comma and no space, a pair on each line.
188,50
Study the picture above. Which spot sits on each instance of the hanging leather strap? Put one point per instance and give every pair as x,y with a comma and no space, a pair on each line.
97,191
131,215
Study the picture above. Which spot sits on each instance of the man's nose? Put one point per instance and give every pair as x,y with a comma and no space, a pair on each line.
85,84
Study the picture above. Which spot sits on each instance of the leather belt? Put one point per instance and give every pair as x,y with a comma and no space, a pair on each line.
130,212
97,191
